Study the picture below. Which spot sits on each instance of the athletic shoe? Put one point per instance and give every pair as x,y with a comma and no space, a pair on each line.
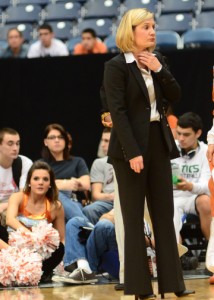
78,276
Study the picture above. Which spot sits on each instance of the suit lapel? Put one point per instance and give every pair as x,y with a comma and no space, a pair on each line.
138,76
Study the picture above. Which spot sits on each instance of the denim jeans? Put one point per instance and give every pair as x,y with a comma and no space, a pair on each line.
95,210
101,239
71,208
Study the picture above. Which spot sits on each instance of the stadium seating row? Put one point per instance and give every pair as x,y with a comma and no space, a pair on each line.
177,21
166,40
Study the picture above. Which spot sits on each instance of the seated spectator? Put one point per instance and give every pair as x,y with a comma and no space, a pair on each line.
102,184
90,43
83,255
71,172
16,47
47,44
13,168
191,192
37,203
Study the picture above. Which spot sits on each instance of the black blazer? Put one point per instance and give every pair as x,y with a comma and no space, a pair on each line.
126,97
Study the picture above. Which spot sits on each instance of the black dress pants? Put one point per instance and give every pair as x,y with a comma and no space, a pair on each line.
155,183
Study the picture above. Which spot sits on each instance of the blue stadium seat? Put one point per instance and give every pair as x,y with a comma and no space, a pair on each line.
4,3
102,9
199,38
71,43
175,22
101,26
62,30
64,1
207,5
3,46
167,40
26,30
151,5
62,11
42,3
178,6
111,44
205,19
23,13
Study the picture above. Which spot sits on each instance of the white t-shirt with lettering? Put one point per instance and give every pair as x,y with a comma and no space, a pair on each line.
7,183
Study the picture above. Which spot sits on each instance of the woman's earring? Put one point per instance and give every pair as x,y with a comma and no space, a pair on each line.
50,187
29,185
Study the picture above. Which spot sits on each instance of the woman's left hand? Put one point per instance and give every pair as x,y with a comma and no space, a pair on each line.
149,60
136,164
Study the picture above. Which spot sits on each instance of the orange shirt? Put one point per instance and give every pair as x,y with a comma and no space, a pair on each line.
45,216
99,47
172,120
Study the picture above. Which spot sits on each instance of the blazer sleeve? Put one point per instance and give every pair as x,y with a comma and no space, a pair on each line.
171,90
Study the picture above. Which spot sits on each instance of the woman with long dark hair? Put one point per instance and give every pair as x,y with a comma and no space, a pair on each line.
39,202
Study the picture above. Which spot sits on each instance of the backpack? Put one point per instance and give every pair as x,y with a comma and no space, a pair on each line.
17,169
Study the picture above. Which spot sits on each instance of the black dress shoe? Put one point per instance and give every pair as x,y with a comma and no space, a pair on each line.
148,297
181,294
119,287
184,293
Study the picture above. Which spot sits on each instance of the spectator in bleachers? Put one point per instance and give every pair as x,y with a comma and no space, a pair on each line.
13,168
16,47
85,246
102,184
71,172
90,44
191,193
47,45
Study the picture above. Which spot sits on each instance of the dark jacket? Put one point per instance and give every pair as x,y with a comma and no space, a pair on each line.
127,99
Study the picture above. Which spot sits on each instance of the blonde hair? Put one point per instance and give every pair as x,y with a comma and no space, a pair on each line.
125,37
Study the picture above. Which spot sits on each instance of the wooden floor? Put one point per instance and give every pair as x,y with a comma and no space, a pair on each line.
100,292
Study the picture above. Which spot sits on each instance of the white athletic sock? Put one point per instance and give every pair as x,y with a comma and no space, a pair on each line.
83,264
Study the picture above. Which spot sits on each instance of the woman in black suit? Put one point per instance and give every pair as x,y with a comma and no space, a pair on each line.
137,87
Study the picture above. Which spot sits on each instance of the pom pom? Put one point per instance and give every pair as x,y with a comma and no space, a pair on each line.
20,266
43,239
47,239
21,238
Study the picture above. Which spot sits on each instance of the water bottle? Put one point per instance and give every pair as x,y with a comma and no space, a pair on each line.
176,174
